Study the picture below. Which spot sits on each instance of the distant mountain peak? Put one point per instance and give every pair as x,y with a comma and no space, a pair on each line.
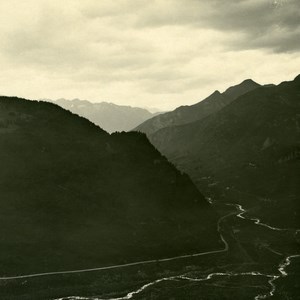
249,81
215,93
244,83
242,88
187,114
109,116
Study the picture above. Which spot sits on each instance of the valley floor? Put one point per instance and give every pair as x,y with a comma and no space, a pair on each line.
255,261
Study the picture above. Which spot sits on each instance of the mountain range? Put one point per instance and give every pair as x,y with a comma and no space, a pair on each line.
109,116
74,196
187,114
241,145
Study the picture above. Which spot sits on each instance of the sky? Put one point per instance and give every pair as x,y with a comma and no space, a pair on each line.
160,53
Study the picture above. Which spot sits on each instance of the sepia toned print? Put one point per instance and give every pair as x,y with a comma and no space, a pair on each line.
149,150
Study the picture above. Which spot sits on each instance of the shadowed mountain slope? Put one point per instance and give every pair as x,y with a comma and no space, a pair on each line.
198,111
249,150
73,196
109,116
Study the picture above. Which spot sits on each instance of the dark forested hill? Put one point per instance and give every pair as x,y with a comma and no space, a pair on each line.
248,151
187,114
73,196
109,116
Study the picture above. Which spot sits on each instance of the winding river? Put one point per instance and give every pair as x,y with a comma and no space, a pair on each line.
240,213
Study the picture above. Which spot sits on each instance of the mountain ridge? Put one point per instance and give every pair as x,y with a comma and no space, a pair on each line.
111,117
242,148
74,196
187,114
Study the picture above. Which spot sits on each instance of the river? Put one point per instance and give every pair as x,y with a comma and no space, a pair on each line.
239,213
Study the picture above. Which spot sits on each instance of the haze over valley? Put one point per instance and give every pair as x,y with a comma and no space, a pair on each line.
109,116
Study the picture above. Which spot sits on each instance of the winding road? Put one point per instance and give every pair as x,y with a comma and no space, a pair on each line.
130,264
272,277
239,213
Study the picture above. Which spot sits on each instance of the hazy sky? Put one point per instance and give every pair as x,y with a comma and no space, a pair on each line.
162,53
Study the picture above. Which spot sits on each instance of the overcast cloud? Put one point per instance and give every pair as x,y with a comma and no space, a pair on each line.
162,53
